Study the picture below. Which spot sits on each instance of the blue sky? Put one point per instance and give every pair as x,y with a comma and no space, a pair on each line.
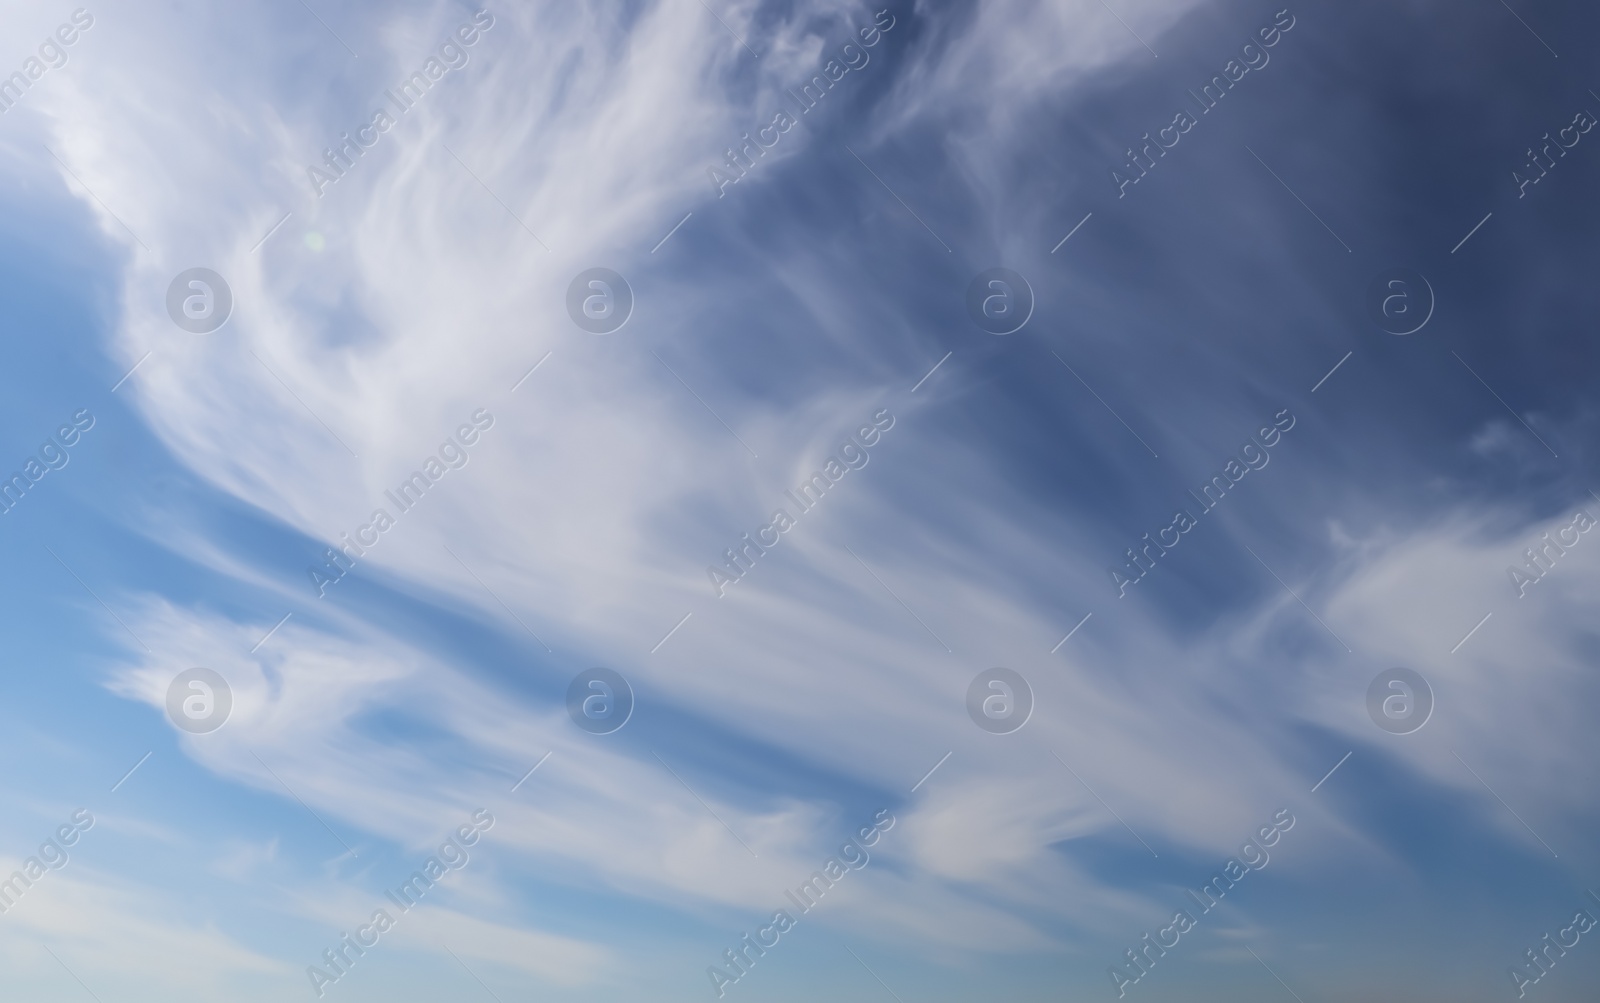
1173,319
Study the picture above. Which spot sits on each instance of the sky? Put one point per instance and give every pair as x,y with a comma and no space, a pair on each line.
768,444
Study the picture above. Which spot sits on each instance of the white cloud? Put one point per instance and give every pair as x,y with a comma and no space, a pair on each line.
584,507
108,928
